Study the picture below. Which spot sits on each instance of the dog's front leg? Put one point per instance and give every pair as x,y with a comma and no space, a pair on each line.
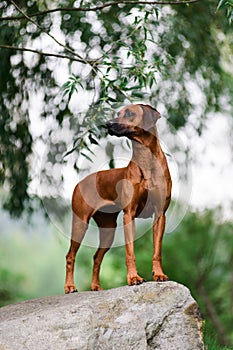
158,230
129,230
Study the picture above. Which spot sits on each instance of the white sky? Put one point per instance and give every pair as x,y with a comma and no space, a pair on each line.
212,182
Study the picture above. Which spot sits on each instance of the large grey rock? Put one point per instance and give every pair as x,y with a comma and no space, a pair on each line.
150,316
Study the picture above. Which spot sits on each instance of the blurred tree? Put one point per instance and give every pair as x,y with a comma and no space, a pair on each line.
117,52
200,255
11,286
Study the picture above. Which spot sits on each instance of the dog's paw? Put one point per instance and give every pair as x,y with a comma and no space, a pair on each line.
135,280
96,288
160,277
70,289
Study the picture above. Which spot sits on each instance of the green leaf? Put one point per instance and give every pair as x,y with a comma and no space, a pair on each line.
69,152
86,156
111,164
156,11
71,86
137,94
92,140
221,4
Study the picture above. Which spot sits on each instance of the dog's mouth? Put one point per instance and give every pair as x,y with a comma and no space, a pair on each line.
118,130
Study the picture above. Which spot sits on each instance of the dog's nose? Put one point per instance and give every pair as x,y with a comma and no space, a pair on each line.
109,123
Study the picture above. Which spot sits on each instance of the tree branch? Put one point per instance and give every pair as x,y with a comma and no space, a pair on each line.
39,52
50,35
100,7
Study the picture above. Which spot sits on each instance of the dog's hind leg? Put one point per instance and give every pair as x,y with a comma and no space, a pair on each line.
107,227
79,228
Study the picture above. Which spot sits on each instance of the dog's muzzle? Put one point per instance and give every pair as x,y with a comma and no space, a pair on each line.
114,128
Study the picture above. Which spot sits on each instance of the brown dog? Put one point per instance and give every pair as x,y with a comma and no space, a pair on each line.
141,189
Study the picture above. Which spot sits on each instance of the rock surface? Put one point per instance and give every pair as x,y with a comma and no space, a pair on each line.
150,316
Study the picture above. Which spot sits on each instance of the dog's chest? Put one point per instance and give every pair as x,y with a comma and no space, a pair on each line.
150,200
145,206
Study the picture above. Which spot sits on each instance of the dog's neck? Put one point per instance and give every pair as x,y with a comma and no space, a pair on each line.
149,157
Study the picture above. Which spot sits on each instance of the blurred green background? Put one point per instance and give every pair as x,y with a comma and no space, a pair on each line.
198,254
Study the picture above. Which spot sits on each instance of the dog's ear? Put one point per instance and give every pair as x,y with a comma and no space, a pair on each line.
150,116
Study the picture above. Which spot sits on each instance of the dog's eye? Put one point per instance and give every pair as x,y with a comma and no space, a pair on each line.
129,114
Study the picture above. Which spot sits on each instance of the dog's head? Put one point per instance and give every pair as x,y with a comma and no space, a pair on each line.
133,121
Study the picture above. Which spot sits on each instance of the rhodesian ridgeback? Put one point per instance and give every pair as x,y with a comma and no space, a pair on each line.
141,189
